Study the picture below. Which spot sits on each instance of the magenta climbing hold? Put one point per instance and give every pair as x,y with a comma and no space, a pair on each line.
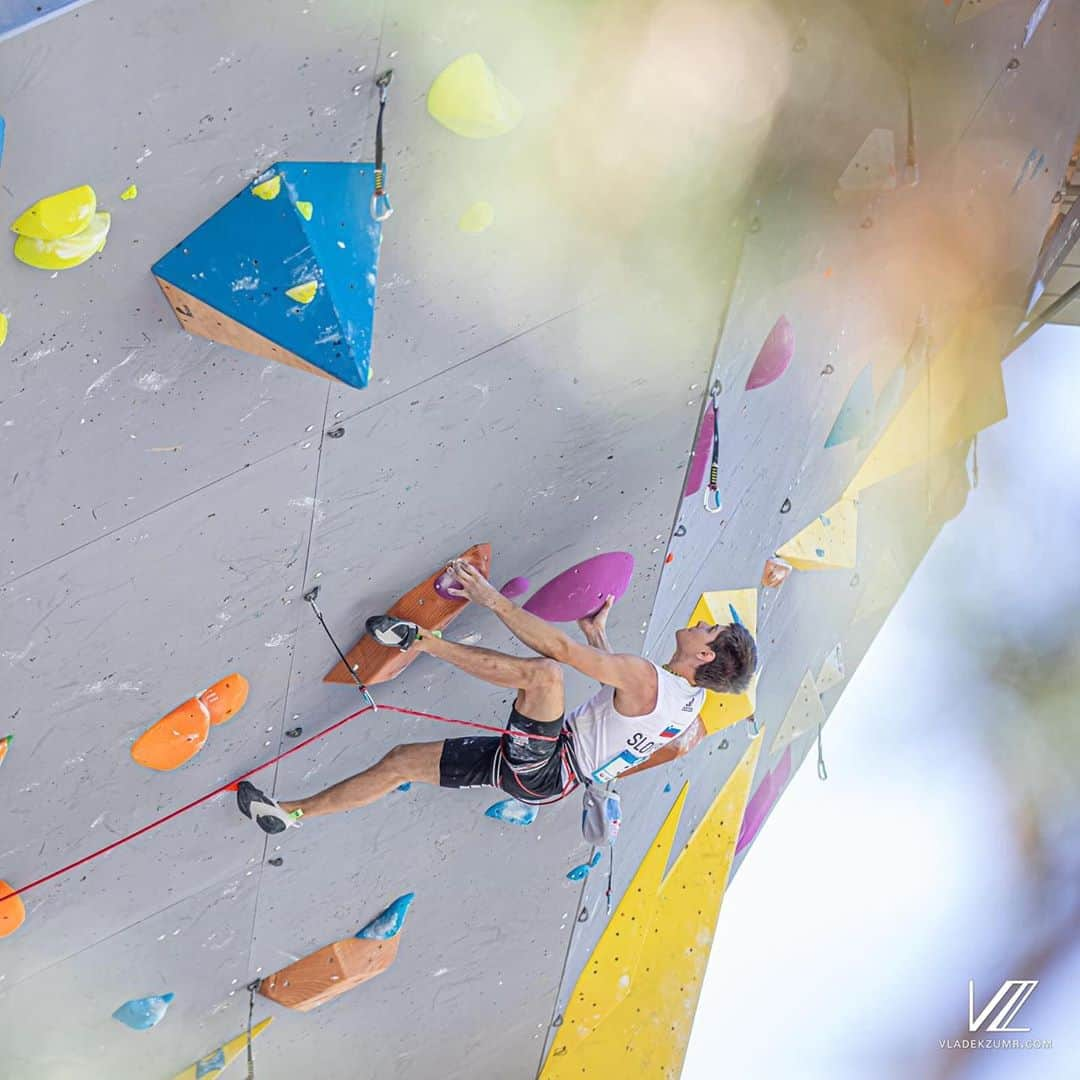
775,355
515,587
699,458
763,800
446,585
580,590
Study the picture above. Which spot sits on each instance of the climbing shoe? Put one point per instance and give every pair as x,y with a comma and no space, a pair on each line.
389,631
263,810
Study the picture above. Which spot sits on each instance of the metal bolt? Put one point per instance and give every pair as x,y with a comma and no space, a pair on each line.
335,433
277,860
1013,64
785,506
295,732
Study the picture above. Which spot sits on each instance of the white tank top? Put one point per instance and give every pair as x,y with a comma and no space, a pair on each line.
607,743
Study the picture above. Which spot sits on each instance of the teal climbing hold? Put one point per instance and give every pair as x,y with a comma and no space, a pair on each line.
512,812
582,871
734,615
292,289
3,132
141,1014
857,412
389,923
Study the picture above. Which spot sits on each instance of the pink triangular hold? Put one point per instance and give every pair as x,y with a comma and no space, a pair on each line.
774,357
699,459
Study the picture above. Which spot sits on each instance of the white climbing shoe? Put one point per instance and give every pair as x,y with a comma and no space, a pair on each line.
392,632
263,810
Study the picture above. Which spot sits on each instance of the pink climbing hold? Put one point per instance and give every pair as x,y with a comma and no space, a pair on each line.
581,590
515,587
445,583
700,458
775,355
763,800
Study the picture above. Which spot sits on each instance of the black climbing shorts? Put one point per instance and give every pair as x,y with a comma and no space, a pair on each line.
529,769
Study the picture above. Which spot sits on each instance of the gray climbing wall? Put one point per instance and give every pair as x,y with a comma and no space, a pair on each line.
166,501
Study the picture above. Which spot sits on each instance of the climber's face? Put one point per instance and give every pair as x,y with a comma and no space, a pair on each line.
694,642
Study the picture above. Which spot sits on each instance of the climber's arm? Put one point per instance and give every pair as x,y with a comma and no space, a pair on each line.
624,671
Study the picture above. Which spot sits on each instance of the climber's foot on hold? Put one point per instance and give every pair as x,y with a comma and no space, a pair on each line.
263,810
392,632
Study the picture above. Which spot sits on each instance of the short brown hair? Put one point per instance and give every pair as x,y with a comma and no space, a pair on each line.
730,670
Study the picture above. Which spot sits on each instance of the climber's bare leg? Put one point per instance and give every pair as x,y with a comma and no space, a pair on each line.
405,764
537,679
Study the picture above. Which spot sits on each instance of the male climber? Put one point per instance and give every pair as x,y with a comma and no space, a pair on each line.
544,753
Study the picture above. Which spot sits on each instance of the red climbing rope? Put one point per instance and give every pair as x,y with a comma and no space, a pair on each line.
251,772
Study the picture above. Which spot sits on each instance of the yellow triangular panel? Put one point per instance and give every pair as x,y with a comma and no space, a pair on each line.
959,393
827,543
832,671
723,710
804,714
644,1034
218,1059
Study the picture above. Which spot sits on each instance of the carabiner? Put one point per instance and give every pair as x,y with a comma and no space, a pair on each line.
381,208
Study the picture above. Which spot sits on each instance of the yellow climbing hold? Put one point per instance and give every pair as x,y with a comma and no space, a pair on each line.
468,99
477,218
129,193
304,209
210,1067
62,254
3,327
303,294
268,189
58,216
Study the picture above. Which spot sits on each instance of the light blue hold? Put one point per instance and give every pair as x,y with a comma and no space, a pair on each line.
141,1014
3,132
389,923
213,1061
512,812
667,789
735,615
582,871
857,413
405,787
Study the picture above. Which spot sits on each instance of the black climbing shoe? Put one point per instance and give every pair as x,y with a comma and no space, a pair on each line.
392,632
263,810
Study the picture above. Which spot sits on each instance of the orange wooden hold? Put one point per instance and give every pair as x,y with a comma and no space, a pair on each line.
12,911
225,698
774,573
375,663
329,972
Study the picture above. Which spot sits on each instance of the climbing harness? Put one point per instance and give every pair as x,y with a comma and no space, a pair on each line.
713,503
311,596
381,207
821,771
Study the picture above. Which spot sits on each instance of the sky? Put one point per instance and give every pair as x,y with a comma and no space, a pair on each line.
867,901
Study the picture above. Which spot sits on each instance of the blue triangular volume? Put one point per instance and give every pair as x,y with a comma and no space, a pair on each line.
857,412
243,259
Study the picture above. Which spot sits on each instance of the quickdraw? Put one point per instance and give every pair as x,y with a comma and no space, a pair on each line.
381,207
712,500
